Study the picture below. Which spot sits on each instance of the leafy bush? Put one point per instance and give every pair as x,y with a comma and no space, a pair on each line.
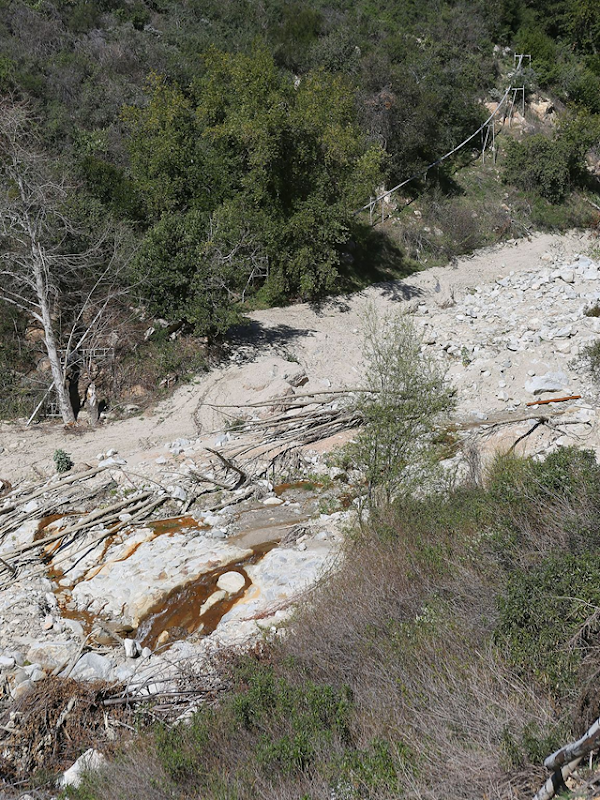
542,618
590,356
160,361
407,395
538,164
539,507
551,167
248,180
62,460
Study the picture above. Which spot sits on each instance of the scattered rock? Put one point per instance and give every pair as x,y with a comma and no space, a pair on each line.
112,462
231,582
132,648
215,598
52,655
37,675
550,382
296,377
444,295
92,667
177,493
567,275
22,689
272,501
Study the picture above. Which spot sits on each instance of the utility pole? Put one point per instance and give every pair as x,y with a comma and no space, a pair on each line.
518,91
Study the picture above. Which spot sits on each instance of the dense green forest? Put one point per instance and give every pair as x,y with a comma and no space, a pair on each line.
229,144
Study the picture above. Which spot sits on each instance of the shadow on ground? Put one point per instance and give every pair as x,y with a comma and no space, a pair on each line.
373,257
250,339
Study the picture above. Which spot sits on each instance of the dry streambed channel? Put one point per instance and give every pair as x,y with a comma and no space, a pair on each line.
142,603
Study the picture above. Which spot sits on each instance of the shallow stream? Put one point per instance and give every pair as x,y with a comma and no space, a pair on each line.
188,609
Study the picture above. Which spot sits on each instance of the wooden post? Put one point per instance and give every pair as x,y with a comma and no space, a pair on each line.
92,403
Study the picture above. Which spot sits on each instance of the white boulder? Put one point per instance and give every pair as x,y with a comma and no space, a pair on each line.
90,761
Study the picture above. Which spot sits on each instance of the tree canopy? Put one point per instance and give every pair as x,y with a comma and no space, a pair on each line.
247,175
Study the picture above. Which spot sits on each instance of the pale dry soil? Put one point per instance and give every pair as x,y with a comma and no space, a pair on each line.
325,341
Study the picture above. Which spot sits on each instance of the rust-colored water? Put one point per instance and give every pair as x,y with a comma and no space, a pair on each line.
179,612
45,521
86,618
307,486
175,525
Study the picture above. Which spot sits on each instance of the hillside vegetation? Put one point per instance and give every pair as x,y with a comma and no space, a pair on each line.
452,647
228,145
166,166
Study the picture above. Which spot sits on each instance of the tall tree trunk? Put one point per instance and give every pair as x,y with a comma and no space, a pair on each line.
58,374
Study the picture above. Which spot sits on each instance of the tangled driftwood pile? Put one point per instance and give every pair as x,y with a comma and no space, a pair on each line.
89,515
71,497
295,422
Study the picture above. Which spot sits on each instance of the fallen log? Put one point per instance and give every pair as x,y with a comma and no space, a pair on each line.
49,485
589,741
91,519
147,509
556,781
275,400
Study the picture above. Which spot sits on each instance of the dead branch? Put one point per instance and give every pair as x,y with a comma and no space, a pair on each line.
554,400
52,484
93,518
243,478
275,400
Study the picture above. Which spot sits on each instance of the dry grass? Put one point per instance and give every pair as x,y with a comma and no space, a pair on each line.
413,643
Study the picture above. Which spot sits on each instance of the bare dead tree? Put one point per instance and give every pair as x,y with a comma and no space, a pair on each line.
49,266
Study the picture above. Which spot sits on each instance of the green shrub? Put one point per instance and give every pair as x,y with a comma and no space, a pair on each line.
537,507
532,744
551,167
538,164
542,615
408,394
62,460
590,356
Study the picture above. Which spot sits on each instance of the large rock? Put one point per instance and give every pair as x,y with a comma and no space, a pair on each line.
90,761
135,579
550,382
231,582
52,655
295,376
444,295
93,667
